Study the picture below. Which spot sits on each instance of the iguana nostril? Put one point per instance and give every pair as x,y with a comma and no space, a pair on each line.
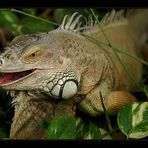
60,60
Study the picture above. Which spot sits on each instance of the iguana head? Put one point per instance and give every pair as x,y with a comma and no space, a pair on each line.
37,62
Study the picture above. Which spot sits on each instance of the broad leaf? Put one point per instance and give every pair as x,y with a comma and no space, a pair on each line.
10,21
94,131
97,133
82,128
63,127
133,120
30,25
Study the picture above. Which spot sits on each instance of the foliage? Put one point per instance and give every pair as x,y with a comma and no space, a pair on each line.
23,25
131,121
68,127
62,127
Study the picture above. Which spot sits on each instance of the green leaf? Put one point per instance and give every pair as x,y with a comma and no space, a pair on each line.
97,133
10,21
30,25
7,17
124,119
82,128
133,120
94,131
63,127
30,11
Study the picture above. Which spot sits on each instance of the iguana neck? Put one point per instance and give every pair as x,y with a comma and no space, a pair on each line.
33,108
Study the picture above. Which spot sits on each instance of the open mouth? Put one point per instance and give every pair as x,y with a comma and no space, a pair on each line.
11,77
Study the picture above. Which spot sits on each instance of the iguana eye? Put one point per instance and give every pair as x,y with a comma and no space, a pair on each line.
32,56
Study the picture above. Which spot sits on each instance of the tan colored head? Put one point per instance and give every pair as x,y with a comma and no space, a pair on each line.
37,62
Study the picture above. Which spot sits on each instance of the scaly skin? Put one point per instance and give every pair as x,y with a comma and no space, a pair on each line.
31,109
66,70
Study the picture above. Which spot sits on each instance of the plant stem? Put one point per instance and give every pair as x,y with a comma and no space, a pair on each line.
35,17
100,27
115,50
106,114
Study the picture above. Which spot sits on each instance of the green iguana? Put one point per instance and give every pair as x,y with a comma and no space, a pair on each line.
53,73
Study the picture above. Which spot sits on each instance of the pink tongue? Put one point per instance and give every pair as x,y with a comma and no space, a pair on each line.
9,77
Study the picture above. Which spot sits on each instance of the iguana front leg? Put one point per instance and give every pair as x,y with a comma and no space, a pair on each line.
113,99
91,103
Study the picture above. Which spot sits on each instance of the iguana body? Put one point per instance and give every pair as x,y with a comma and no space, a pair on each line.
61,69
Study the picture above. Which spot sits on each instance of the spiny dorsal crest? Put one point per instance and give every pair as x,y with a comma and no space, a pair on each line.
75,24
72,24
113,17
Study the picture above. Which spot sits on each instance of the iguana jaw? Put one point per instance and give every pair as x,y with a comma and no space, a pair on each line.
13,77
59,84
